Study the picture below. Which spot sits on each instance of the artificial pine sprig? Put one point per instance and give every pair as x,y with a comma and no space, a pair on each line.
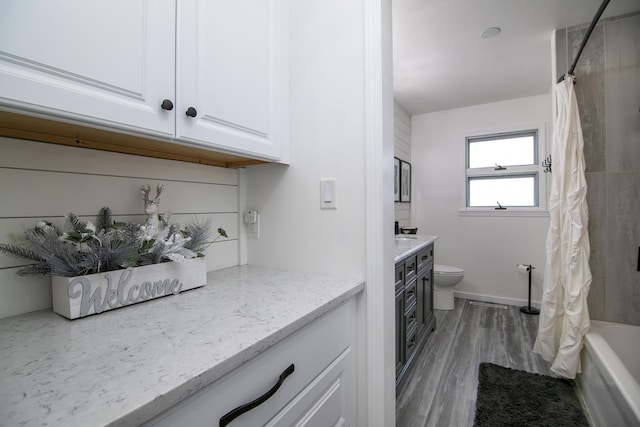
62,258
200,234
18,252
104,221
82,250
78,225
34,270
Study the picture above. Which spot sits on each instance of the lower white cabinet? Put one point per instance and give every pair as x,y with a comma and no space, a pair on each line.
320,389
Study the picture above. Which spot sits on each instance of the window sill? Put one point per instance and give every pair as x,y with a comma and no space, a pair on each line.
514,212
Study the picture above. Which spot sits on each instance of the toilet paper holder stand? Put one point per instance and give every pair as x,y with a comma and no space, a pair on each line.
528,309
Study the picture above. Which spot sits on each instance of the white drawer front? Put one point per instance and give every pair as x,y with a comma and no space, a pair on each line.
324,357
328,401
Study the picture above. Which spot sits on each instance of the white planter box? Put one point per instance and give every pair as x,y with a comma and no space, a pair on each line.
75,297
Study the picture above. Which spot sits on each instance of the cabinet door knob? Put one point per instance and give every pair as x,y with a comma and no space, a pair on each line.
191,112
167,105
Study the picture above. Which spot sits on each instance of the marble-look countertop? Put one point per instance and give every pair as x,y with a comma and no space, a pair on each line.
125,366
408,244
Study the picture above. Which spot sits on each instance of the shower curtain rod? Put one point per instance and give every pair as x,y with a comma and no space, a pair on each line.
586,38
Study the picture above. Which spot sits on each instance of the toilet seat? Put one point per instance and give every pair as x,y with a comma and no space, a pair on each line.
447,270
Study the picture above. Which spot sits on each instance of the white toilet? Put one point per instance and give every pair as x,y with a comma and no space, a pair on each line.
445,277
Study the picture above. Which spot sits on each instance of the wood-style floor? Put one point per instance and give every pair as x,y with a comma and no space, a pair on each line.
441,389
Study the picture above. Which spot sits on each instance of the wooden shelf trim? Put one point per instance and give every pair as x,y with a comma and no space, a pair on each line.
20,126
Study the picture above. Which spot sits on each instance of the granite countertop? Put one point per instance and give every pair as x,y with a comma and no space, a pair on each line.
408,244
125,366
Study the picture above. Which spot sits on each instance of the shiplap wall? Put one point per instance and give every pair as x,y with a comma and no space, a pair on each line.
46,181
402,150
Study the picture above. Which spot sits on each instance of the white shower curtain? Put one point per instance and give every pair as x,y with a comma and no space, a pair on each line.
564,317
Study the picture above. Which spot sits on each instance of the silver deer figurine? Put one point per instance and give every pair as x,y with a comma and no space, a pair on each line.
152,226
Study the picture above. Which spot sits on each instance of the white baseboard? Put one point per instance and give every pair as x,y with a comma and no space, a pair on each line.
495,299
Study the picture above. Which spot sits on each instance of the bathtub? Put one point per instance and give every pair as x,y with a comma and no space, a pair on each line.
610,378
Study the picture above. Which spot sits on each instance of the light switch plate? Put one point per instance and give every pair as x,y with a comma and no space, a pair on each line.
328,193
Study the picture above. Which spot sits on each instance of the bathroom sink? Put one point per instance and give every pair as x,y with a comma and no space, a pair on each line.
400,237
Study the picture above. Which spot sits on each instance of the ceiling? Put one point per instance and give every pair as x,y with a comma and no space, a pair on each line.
441,62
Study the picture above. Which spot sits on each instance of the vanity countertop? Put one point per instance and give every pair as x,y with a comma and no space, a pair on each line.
125,366
408,244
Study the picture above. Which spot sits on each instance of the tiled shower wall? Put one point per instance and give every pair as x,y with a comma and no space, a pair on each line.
608,92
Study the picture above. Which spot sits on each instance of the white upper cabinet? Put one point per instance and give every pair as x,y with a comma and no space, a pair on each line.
233,74
107,63
113,64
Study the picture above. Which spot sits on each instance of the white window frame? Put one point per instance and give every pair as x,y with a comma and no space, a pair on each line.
537,170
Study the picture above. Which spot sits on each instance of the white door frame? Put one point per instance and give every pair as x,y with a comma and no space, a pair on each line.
379,292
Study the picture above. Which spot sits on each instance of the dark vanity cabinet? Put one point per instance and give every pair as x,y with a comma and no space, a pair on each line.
399,317
414,307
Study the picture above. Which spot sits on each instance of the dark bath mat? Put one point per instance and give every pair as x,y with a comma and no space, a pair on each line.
508,397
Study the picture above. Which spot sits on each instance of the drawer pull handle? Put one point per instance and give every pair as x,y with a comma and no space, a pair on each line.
425,257
233,414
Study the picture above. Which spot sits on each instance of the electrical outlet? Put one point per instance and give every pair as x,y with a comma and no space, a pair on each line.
253,229
250,217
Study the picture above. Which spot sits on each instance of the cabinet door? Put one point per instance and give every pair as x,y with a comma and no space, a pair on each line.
421,288
233,76
424,291
106,63
428,295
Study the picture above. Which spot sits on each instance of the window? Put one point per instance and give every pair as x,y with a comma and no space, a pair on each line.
503,171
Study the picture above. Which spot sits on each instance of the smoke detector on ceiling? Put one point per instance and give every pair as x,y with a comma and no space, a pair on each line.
490,32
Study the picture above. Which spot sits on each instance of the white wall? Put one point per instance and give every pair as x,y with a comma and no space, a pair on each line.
46,181
402,150
327,141
487,248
